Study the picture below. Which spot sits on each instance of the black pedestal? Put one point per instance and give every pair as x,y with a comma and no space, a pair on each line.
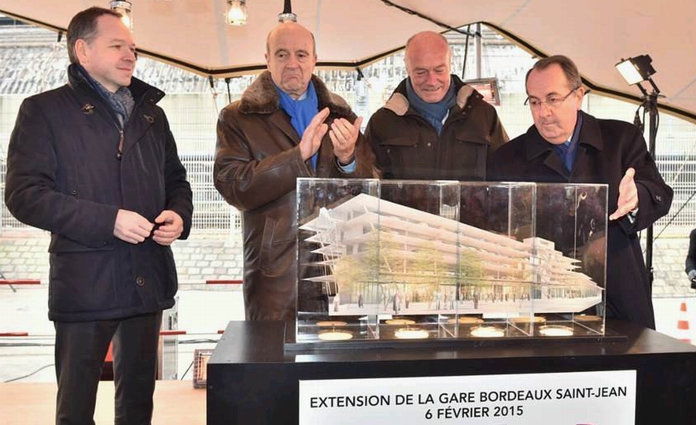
252,379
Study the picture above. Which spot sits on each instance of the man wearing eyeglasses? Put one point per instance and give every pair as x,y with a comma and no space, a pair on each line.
566,145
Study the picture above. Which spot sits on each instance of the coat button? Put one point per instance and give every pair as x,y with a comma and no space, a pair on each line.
73,192
140,281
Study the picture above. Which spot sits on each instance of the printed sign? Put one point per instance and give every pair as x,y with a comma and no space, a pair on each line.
569,398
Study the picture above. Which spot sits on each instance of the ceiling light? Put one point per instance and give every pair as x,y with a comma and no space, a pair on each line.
124,8
236,12
287,14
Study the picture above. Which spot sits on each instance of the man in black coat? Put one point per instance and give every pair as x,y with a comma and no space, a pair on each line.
690,263
566,145
95,163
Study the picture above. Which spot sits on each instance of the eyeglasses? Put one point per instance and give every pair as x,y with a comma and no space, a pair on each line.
552,101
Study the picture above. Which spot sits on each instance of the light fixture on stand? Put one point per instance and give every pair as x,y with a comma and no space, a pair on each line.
636,70
236,12
124,8
287,14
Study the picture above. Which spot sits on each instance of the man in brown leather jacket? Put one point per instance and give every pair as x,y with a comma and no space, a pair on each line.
286,125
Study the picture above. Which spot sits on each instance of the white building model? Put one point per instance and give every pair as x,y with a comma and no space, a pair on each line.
384,257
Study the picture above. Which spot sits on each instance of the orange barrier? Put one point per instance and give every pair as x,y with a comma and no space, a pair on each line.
683,324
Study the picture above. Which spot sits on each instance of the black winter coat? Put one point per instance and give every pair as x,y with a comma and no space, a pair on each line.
690,262
606,149
63,176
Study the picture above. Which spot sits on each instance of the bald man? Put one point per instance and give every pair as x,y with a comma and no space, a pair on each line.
286,125
434,127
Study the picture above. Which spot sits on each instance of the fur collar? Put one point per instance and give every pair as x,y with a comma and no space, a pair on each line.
398,102
261,97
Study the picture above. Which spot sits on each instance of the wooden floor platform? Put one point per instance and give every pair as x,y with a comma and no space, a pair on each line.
176,402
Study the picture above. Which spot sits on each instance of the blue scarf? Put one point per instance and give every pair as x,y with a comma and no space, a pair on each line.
301,111
434,113
567,150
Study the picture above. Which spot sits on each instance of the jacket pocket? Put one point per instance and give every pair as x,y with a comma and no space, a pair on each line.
469,157
83,282
403,157
277,248
60,244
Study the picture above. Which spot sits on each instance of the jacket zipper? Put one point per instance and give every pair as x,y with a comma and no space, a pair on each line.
119,152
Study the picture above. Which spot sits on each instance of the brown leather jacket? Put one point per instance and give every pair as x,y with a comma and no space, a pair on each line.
257,162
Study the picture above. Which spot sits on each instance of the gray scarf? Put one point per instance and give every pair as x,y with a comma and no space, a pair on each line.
121,102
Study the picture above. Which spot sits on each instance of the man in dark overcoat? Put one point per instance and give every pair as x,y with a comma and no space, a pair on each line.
95,163
566,145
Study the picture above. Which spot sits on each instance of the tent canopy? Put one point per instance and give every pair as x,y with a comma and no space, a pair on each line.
596,34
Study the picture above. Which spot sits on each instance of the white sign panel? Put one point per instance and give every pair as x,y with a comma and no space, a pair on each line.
569,398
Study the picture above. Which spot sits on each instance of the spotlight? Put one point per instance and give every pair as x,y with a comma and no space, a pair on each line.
400,322
411,333
636,70
124,8
485,331
335,335
556,330
236,12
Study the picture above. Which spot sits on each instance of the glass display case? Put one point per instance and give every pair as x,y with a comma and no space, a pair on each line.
433,260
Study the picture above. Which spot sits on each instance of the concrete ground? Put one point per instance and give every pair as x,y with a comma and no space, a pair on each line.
201,313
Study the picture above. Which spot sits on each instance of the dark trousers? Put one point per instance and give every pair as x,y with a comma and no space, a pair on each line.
79,355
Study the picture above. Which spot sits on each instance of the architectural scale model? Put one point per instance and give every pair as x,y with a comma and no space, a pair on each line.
381,258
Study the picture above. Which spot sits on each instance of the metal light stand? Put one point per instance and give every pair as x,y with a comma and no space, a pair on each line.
650,105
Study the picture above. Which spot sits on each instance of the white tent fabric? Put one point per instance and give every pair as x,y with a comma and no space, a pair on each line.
354,33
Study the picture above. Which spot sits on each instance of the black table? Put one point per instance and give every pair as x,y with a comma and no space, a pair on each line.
253,379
